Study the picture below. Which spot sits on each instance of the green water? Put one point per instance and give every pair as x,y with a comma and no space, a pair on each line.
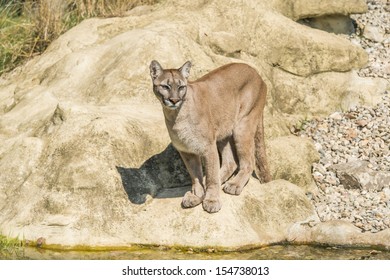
277,252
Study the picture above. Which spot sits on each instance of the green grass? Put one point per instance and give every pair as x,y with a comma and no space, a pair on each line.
15,38
300,125
28,27
11,248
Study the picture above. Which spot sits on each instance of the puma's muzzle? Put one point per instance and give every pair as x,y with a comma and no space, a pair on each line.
172,103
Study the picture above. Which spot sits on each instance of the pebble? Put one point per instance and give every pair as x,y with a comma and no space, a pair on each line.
361,133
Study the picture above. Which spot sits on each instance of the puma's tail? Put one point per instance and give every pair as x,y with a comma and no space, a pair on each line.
262,168
261,163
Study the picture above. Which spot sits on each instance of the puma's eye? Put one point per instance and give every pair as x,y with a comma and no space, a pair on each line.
182,88
166,87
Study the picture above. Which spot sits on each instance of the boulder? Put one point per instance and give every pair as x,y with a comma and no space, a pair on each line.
291,159
357,175
309,96
299,50
103,216
374,33
85,158
313,8
337,233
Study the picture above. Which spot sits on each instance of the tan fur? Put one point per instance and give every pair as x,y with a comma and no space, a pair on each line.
217,120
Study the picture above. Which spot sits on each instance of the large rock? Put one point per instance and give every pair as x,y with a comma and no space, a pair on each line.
357,175
309,96
338,233
314,8
103,216
298,49
291,159
374,33
84,153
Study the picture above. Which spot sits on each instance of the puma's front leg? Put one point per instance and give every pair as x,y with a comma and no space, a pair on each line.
211,202
194,167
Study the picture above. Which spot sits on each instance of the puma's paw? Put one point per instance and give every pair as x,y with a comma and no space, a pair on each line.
190,200
232,189
212,205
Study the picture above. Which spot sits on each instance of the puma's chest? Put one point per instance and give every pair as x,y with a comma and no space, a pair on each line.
187,137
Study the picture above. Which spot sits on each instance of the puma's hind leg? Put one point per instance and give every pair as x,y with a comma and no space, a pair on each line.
244,145
229,165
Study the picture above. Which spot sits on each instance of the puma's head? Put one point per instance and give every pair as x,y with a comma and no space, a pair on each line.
170,85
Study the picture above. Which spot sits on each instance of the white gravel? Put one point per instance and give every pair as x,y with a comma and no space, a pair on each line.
373,34
362,133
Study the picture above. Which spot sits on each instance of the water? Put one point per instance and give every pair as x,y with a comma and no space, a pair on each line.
276,252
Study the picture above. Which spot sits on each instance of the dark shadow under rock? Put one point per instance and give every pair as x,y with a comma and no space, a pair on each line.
161,176
338,24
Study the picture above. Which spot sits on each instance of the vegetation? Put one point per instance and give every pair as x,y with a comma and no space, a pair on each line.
300,125
27,27
10,248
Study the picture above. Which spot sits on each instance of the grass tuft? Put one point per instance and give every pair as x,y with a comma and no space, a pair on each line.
11,248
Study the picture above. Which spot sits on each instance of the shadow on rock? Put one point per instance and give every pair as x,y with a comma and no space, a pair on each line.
161,176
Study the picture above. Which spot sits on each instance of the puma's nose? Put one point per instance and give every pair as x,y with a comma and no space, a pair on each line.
174,100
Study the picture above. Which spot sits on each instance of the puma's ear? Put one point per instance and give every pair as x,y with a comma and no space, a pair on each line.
155,69
185,69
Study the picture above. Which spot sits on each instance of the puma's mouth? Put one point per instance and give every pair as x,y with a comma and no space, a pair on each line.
172,103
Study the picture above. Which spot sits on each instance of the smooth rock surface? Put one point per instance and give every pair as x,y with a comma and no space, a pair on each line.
313,8
295,166
261,215
337,233
374,33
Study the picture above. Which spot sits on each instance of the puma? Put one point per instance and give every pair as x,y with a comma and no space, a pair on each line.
217,120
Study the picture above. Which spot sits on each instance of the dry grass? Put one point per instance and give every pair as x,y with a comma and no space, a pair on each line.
27,27
88,8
